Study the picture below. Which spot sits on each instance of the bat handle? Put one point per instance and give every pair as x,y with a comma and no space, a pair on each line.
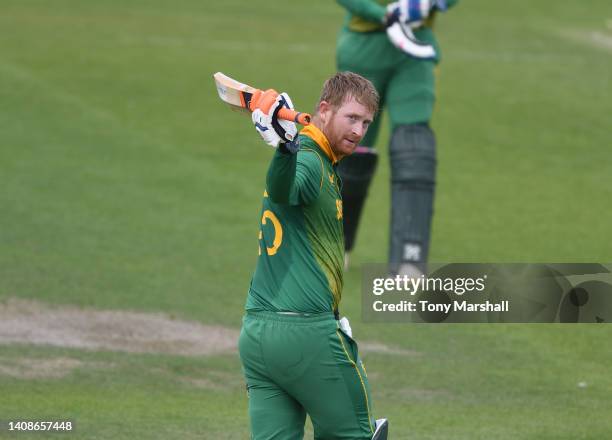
283,113
292,115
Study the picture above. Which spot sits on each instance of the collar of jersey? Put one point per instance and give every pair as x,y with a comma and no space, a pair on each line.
317,135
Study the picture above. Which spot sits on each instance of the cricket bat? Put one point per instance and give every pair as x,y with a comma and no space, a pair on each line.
240,96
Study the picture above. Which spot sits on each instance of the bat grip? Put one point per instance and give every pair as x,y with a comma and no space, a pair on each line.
293,116
255,101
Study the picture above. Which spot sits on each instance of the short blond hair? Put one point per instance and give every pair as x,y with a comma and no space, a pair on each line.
345,85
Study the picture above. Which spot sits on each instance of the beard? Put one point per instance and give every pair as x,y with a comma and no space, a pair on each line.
341,143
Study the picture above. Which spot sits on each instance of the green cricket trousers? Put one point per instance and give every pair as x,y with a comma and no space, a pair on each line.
297,364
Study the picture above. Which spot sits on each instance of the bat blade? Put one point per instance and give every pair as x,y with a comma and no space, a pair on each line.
233,92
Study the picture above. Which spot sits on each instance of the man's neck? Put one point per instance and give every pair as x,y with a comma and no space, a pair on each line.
316,121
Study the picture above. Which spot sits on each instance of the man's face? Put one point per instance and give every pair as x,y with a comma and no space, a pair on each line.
345,126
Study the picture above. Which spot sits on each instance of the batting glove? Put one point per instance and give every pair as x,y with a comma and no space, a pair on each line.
275,131
412,12
405,15
402,37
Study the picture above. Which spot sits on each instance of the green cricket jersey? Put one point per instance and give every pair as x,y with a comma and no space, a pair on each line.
301,240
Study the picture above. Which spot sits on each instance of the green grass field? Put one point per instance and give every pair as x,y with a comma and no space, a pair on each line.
127,185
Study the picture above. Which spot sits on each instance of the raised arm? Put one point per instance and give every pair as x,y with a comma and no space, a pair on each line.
293,178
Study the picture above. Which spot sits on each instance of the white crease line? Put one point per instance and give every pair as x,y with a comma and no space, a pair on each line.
23,75
594,39
509,56
55,93
601,40
232,45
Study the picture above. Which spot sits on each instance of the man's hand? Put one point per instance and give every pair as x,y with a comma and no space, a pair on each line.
274,131
405,15
412,12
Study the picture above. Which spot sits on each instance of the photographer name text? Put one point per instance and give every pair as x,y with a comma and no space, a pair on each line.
428,306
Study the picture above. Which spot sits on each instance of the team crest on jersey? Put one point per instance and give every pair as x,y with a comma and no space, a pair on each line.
338,209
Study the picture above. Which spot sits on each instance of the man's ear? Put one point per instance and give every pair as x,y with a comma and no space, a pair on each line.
324,109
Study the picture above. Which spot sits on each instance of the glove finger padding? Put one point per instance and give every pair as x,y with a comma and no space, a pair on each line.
263,125
275,131
263,100
286,130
